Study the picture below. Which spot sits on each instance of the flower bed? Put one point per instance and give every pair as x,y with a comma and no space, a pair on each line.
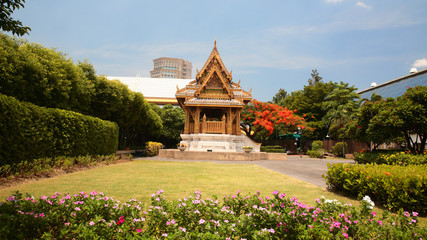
391,158
94,215
47,167
392,186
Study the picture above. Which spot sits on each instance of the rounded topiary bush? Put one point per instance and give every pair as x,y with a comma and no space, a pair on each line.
338,149
316,149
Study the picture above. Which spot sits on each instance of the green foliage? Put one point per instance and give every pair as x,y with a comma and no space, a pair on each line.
152,149
274,149
325,106
391,158
96,216
46,77
173,119
338,148
43,166
316,149
30,132
403,118
7,23
394,187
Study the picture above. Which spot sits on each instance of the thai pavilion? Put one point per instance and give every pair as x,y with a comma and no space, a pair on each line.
212,104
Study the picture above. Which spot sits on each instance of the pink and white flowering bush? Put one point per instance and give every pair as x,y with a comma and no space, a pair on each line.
238,216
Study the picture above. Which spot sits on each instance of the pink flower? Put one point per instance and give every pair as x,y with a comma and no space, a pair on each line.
77,208
11,198
414,214
373,214
42,215
275,192
201,221
345,235
380,222
91,223
164,234
67,224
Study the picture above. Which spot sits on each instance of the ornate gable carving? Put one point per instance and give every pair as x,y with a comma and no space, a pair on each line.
213,77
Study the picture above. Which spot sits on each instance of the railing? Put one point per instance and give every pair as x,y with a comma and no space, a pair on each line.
213,127
209,127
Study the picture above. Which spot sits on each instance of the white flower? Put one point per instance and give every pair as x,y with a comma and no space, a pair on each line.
368,200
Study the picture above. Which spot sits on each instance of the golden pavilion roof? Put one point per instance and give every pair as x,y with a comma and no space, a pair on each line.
213,86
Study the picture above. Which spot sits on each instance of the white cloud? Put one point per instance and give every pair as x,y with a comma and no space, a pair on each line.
363,5
420,63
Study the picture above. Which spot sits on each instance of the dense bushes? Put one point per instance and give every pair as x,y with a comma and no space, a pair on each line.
43,166
316,149
152,149
96,216
394,158
29,132
273,149
393,187
46,77
339,150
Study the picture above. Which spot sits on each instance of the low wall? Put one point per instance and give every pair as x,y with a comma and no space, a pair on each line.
221,156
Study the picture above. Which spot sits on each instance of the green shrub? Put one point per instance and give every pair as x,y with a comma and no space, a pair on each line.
316,145
394,187
390,158
30,132
96,216
273,149
152,149
45,165
316,149
337,149
315,153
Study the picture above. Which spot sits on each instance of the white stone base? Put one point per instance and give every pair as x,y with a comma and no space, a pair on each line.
217,142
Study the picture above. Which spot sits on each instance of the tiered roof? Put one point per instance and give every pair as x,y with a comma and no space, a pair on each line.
213,86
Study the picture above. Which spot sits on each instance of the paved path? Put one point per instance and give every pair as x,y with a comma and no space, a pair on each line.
303,168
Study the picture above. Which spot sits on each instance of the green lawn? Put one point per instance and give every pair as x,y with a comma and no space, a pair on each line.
139,179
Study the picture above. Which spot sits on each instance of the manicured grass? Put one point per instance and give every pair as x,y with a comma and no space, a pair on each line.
139,179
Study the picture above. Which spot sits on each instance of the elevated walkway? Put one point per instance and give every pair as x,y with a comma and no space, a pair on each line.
221,156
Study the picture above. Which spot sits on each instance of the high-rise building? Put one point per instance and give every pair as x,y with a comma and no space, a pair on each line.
171,68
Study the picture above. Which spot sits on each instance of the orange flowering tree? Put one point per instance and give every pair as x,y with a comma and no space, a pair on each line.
260,119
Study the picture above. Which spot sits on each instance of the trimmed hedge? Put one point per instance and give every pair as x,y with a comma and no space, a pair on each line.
394,187
152,149
390,158
42,166
273,149
29,132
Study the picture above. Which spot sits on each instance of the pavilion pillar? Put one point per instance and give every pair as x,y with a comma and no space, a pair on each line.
187,121
238,132
229,121
197,120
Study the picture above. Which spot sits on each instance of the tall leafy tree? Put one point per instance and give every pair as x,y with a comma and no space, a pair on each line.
341,107
259,120
280,97
7,23
308,103
384,121
173,120
362,129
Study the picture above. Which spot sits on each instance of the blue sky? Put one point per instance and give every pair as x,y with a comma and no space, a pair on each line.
267,44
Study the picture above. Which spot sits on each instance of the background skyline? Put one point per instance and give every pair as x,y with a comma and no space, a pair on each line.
268,45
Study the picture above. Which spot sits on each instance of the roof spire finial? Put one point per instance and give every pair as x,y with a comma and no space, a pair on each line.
215,43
